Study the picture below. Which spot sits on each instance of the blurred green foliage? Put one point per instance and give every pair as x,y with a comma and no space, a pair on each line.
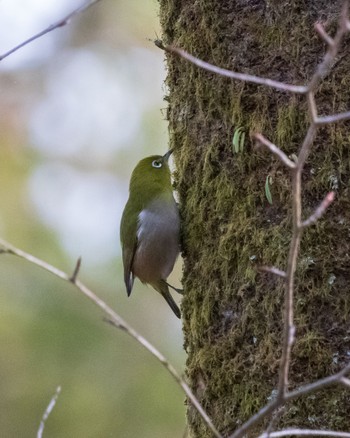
50,334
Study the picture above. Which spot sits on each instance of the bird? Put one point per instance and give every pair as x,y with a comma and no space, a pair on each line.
150,228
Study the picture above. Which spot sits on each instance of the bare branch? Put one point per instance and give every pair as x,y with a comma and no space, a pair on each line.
305,432
323,34
326,120
287,349
312,106
274,417
325,66
48,411
187,391
305,150
283,395
275,150
319,384
118,322
62,22
231,74
321,71
289,328
319,210
272,270
263,413
289,396
345,381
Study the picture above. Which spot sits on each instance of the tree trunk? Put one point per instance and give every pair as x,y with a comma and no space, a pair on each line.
233,315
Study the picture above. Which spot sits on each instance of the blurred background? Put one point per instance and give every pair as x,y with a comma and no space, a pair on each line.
78,109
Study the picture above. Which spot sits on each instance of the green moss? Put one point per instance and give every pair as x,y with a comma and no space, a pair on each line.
232,314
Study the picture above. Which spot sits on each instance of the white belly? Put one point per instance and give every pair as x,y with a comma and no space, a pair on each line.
158,243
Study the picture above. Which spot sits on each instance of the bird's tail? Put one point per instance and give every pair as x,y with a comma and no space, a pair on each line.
163,289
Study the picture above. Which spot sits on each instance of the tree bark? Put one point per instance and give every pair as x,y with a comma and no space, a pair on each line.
233,315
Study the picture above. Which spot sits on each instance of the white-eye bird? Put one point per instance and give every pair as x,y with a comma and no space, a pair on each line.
150,227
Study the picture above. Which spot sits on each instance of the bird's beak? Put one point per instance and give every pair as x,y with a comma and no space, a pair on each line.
167,155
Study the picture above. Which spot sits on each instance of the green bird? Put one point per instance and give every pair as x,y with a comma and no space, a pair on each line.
150,228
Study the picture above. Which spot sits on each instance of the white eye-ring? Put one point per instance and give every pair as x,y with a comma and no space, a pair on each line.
157,164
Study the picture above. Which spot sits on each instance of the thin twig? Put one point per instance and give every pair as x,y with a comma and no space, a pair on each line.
275,150
118,322
74,276
264,412
184,386
289,396
318,384
273,270
283,395
231,74
333,47
345,381
274,417
319,210
60,23
326,120
289,328
323,34
321,71
312,106
48,411
305,432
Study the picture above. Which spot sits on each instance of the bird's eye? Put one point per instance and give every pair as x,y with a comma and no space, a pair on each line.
156,164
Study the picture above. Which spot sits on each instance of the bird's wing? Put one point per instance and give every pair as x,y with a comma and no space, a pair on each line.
128,233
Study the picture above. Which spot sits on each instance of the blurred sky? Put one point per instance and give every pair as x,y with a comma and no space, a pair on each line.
78,109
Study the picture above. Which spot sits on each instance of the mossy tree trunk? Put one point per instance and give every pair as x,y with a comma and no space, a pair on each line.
232,315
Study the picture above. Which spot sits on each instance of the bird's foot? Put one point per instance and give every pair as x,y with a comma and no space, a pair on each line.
179,291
